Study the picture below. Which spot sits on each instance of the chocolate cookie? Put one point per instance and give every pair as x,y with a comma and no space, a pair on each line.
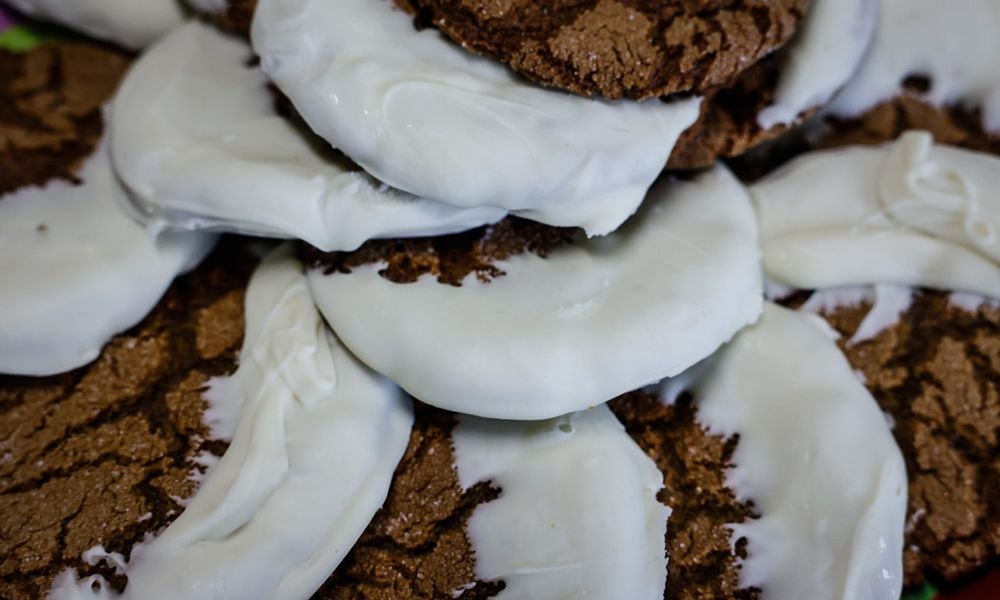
936,373
50,109
618,49
106,453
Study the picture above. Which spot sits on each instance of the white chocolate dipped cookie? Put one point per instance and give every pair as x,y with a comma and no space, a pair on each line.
132,23
426,117
198,141
910,213
577,515
315,440
531,337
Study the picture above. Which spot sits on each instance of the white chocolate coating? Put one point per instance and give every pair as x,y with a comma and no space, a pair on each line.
820,59
888,303
315,448
910,213
131,23
577,516
76,270
816,457
592,320
426,116
198,142
953,43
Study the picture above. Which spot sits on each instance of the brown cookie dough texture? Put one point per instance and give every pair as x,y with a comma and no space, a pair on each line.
416,546
936,373
102,455
618,48
448,258
727,125
50,109
952,125
703,558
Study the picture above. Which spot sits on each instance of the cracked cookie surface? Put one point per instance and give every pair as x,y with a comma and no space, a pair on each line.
936,373
50,109
105,454
618,48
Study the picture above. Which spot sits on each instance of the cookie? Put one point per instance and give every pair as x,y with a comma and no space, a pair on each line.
77,270
615,49
426,117
133,25
525,337
105,454
934,371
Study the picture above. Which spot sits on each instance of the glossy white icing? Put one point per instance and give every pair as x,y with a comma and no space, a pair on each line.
76,270
428,117
592,320
315,447
910,213
131,23
953,43
577,516
198,142
816,457
820,59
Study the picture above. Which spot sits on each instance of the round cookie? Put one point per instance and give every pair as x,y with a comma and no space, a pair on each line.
934,369
76,269
520,321
616,49
131,23
424,116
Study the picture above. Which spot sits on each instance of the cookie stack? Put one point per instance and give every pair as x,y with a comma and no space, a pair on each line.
576,299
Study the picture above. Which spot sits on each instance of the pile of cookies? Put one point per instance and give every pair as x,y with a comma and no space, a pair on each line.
479,298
